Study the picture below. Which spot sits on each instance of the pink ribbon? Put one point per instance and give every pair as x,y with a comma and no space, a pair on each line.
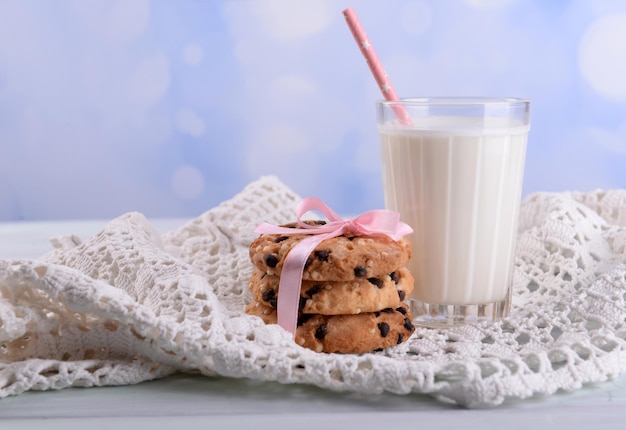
375,222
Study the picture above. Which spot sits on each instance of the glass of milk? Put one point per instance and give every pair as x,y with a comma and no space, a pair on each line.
455,174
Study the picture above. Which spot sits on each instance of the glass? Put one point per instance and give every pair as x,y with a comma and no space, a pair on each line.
455,175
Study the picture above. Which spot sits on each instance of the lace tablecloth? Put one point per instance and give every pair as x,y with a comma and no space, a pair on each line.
129,305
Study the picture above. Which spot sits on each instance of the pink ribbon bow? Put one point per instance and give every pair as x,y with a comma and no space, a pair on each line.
373,222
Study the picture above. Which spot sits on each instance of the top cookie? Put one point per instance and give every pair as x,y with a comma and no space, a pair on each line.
340,258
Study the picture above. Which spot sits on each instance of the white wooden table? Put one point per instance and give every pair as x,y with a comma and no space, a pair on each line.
197,402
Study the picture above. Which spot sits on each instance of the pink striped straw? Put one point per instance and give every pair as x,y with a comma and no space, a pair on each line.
384,84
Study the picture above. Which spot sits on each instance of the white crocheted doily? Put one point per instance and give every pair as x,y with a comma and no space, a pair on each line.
129,305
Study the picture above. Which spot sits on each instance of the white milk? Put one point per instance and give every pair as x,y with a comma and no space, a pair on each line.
460,190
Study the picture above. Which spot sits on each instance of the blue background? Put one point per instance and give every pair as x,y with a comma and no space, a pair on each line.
170,107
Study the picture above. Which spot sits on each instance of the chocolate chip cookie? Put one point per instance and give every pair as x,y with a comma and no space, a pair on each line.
340,258
339,297
348,334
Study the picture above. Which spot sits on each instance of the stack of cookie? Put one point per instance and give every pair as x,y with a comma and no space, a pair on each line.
352,292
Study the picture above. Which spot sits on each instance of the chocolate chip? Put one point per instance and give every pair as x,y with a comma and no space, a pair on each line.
308,262
268,295
301,303
400,338
303,318
359,271
384,329
319,222
402,295
376,314
394,277
376,281
314,290
401,310
321,331
271,260
280,239
408,325
387,310
322,255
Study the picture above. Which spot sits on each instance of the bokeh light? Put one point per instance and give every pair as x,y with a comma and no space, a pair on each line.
169,108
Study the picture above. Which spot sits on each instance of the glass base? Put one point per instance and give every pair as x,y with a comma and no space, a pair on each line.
441,316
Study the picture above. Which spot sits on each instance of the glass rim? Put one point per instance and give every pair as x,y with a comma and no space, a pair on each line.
455,101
